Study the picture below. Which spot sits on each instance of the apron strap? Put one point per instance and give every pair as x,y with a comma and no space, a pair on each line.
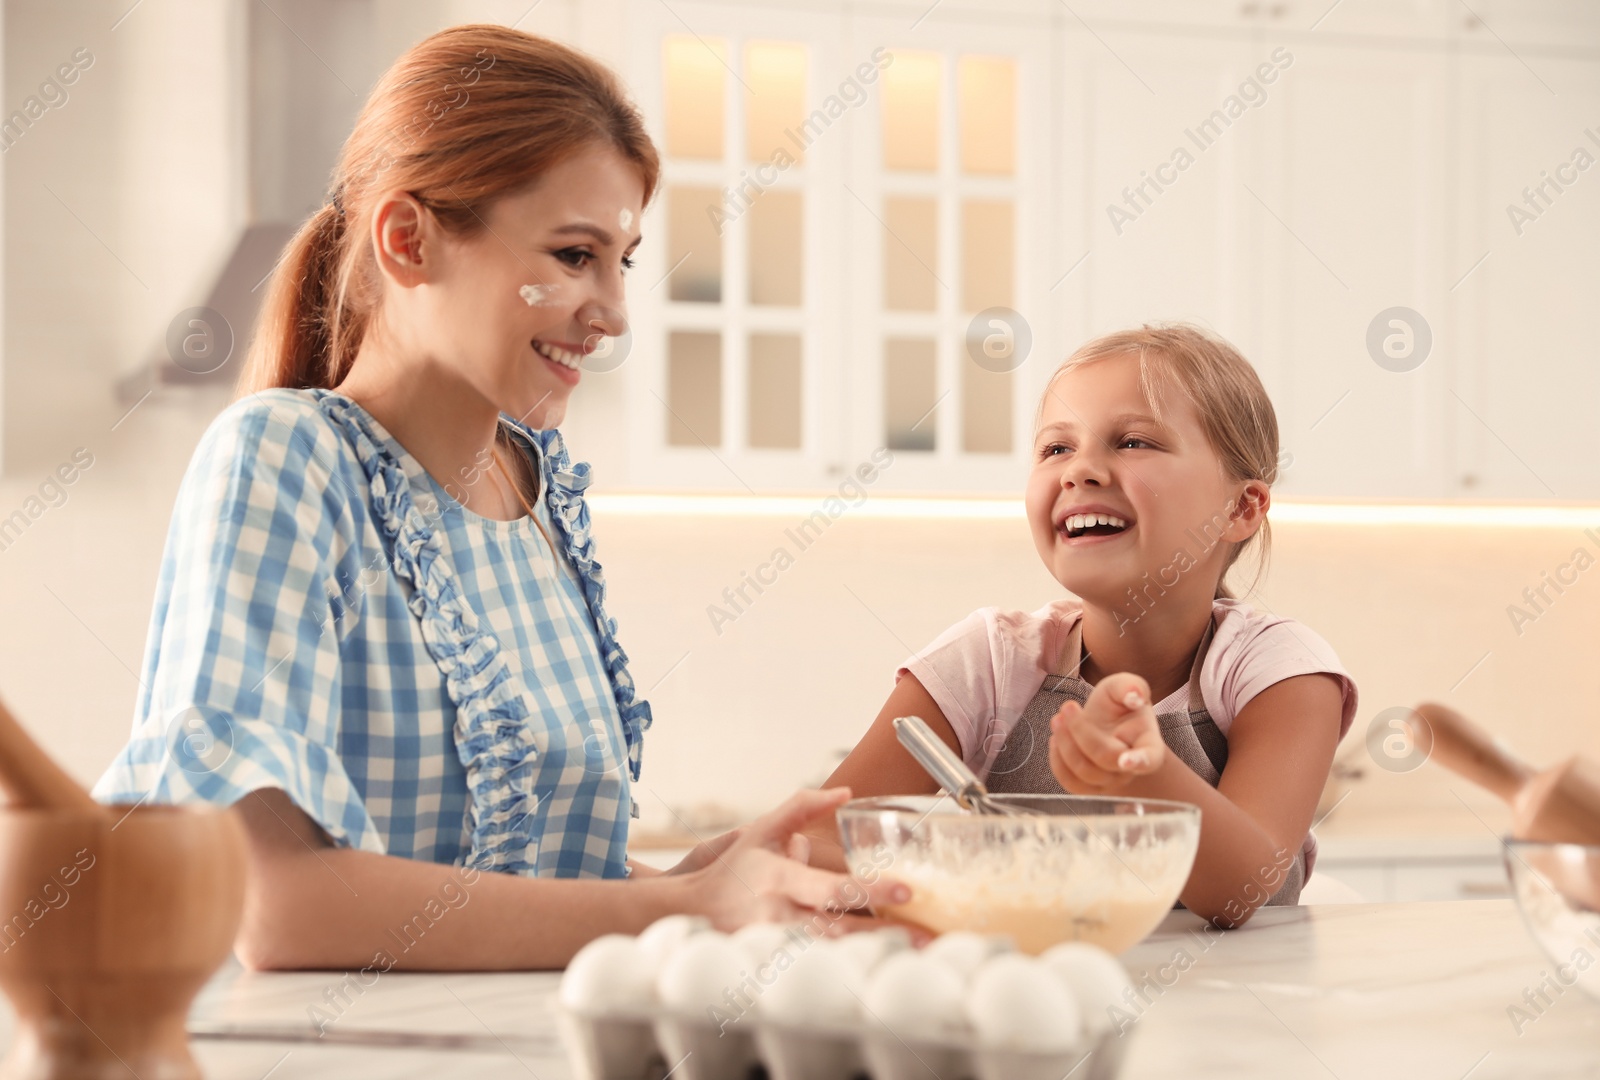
1206,732
1069,662
1197,699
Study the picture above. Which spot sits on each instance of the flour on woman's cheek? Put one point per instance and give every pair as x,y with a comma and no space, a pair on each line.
538,295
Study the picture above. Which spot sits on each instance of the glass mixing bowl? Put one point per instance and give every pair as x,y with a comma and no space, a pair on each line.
1086,868
1557,887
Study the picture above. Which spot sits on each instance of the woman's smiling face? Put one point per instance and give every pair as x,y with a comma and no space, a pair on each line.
516,306
1119,489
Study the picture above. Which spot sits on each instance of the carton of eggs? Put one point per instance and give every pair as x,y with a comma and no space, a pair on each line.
693,985
684,998
608,1003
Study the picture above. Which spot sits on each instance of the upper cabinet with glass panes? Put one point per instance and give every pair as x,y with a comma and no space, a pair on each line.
792,321
948,218
735,245
792,340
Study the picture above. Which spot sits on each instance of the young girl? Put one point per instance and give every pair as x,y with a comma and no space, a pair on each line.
1152,461
380,626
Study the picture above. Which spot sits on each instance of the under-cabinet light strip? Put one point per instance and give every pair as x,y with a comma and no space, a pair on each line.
1542,516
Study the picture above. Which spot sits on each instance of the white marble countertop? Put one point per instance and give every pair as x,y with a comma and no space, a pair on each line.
1351,992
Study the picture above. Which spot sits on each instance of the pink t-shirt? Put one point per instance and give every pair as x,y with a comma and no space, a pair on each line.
983,671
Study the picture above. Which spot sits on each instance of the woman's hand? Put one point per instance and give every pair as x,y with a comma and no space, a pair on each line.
1099,747
707,852
702,855
759,874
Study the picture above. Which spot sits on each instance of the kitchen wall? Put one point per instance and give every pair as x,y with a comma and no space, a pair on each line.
148,184
123,202
120,202
745,714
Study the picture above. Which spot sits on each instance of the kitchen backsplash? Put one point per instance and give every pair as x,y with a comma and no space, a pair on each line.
758,693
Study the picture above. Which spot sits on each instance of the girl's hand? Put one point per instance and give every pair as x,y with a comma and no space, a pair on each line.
1100,746
761,876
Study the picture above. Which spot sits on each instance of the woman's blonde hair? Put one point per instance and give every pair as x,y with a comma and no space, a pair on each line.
464,117
1235,412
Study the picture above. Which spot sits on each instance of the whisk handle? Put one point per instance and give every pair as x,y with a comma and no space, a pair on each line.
933,755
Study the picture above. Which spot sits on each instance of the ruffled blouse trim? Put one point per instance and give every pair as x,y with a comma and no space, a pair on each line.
564,484
493,729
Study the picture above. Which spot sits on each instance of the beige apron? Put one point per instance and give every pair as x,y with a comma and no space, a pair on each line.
1022,765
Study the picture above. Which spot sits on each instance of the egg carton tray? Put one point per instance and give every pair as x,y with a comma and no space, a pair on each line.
650,1044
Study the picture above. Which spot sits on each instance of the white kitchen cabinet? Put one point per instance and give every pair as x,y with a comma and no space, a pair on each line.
1350,224
973,434
1375,174
705,277
1372,177
1528,378
1403,867
1396,880
1515,25
1170,232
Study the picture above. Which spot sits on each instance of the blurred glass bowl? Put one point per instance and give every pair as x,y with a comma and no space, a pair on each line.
1101,870
1557,887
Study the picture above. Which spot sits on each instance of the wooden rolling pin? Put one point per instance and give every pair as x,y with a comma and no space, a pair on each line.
29,779
1560,804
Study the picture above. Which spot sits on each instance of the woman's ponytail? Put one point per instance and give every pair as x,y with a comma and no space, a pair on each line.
292,344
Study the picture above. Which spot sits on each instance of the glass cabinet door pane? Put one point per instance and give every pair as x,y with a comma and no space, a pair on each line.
911,112
910,252
985,409
775,391
910,391
695,72
987,243
694,389
987,91
776,254
776,103
693,245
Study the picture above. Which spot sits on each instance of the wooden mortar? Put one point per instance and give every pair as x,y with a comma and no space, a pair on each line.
111,920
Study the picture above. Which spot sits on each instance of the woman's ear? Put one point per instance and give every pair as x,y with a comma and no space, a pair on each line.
1249,511
399,227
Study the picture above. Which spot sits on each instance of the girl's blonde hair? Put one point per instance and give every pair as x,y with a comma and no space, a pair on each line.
464,117
1235,412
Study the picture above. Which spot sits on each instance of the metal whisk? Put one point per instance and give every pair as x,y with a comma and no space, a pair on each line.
950,771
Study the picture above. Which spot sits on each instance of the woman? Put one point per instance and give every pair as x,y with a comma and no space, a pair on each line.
380,627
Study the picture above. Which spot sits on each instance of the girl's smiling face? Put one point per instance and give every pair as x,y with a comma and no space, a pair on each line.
1120,490
514,307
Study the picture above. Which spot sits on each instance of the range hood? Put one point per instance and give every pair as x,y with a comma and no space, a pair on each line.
309,64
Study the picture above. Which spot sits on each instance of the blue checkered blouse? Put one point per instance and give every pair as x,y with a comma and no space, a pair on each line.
420,680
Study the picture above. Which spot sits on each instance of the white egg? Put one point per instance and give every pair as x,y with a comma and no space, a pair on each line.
869,948
820,986
761,940
608,975
964,951
1017,1002
706,971
662,937
917,997
1095,977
